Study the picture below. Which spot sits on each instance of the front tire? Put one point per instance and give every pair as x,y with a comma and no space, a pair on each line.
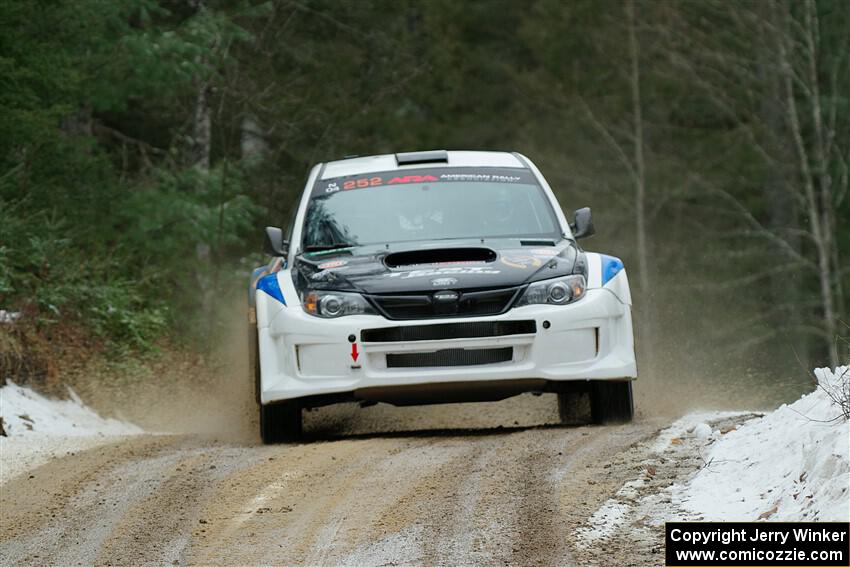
611,401
280,422
574,407
254,357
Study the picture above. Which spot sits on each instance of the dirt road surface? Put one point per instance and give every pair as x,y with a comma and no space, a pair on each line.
477,484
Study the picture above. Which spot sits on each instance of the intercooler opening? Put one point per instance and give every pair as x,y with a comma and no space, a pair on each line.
450,357
439,255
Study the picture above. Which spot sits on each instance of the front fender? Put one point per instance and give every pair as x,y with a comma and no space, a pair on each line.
608,272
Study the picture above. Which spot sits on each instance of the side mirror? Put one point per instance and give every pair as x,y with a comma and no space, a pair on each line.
274,244
582,226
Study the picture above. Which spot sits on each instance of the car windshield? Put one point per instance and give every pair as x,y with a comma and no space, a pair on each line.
454,203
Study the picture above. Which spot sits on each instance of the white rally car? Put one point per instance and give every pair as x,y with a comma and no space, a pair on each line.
434,277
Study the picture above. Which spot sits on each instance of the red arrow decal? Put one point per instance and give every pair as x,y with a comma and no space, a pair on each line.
354,353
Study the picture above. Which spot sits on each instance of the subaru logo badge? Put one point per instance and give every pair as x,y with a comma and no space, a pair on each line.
443,282
446,296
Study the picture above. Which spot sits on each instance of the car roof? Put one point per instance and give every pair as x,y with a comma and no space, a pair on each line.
388,162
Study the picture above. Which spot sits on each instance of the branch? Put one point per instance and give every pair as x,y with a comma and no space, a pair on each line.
99,127
749,279
754,223
843,179
621,154
799,144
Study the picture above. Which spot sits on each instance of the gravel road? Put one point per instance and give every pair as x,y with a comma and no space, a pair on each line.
467,484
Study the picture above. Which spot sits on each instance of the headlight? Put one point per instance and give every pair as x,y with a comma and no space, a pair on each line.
558,291
331,304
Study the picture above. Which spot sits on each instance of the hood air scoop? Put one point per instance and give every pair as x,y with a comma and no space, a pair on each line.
438,256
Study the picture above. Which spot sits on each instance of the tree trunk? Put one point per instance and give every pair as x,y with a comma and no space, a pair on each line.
252,142
199,153
829,253
778,192
817,197
646,325
640,166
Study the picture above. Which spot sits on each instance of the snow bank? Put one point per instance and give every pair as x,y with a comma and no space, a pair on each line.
791,465
38,429
25,412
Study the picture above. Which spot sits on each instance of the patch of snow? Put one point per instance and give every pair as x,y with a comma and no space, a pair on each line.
39,429
632,488
604,522
791,465
9,316
702,431
686,425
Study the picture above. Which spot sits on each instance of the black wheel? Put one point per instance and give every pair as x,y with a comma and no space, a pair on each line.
611,401
280,422
574,407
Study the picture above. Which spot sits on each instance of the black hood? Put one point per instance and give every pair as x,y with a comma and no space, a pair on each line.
436,265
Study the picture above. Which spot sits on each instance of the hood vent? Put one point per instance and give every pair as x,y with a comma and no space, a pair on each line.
438,256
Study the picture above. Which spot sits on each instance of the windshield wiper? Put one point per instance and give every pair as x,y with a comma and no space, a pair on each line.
327,247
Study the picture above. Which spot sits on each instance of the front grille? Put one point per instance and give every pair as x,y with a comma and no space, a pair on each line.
401,306
450,357
477,329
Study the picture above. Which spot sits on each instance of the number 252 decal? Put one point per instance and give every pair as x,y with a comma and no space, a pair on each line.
362,183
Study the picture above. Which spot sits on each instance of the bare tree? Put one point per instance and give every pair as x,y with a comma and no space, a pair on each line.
639,169
802,81
201,128
802,140
628,145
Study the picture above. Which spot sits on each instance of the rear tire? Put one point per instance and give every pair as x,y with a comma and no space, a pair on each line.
280,422
611,401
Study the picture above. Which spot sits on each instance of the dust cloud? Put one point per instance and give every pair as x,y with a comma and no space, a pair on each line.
179,390
687,361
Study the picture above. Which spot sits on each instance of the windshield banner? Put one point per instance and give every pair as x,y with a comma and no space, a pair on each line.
431,175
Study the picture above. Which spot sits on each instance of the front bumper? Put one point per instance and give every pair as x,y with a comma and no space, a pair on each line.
304,356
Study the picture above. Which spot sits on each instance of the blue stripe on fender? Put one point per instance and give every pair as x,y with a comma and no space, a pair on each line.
611,266
269,285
